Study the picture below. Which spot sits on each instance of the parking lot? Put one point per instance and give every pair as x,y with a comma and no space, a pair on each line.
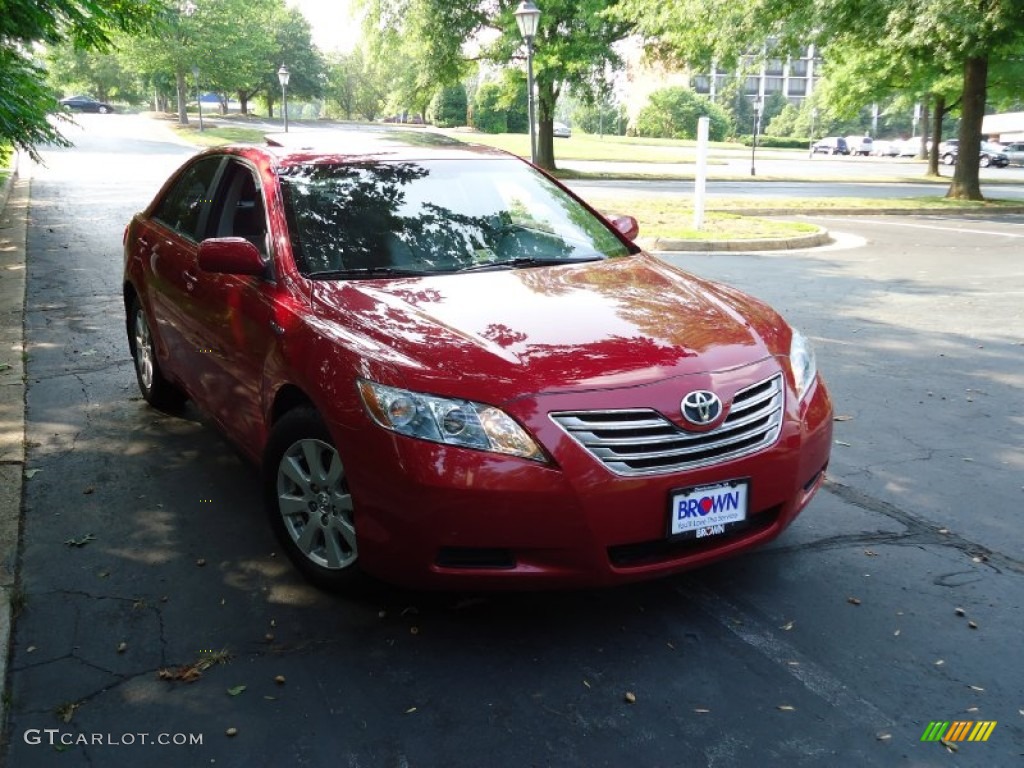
157,622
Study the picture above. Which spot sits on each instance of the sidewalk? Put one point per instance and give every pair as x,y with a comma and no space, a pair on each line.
13,214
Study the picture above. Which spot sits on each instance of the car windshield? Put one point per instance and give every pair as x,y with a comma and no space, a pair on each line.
377,218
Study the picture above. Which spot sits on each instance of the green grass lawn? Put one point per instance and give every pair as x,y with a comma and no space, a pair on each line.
216,135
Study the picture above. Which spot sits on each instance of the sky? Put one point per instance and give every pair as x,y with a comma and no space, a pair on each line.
332,25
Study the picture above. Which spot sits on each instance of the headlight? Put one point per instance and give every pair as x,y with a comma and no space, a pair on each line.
443,420
801,361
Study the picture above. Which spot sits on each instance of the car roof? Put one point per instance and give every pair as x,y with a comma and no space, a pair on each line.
377,143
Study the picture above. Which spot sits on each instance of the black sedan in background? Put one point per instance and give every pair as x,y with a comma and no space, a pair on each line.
85,104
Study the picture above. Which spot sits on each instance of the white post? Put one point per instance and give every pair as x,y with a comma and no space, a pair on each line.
702,172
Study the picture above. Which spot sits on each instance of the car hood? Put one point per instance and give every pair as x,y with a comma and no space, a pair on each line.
619,322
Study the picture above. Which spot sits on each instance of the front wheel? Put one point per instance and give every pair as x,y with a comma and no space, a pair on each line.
985,161
308,501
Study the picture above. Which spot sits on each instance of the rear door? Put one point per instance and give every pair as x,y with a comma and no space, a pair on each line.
167,244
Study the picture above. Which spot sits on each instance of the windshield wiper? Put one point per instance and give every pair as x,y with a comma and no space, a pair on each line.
526,261
365,273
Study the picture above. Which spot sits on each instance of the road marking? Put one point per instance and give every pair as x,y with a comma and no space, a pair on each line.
926,226
814,678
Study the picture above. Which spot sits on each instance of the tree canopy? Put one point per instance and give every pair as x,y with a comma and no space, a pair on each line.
573,46
927,37
25,98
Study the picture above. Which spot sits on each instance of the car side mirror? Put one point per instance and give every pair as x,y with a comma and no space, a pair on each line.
626,225
230,256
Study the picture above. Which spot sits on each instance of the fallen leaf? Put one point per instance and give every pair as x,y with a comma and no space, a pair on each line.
30,473
586,683
787,626
940,662
842,418
853,600
870,553
122,647
944,531
896,633
793,663
410,710
786,708
231,732
972,709
201,562
975,687
236,690
630,697
843,443
670,646
949,745
80,542
67,711
30,649
883,736
972,624
279,679
89,490
701,711
270,698
959,611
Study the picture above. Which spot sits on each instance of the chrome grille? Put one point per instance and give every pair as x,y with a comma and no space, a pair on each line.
641,441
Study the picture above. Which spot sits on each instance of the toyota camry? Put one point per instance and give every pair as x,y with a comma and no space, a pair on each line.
454,373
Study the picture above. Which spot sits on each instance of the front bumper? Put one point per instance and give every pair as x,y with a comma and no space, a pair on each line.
434,516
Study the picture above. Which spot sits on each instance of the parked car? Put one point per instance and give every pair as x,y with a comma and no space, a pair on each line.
860,145
990,154
1014,152
884,148
908,147
85,104
831,145
561,130
453,373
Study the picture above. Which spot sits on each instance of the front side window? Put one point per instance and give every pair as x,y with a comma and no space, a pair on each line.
435,216
185,207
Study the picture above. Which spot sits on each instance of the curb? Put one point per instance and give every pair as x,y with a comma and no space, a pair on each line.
821,237
13,216
919,211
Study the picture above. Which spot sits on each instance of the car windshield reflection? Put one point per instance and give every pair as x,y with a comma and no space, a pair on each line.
376,219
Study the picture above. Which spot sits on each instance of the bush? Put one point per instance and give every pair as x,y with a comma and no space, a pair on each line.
488,114
672,113
596,118
448,107
775,142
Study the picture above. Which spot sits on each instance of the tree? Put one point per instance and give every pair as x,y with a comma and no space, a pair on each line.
672,113
25,99
489,115
448,107
955,35
573,46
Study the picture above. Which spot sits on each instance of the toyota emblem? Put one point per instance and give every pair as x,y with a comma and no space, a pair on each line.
701,407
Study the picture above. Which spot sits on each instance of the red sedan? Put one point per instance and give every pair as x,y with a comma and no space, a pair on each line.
455,374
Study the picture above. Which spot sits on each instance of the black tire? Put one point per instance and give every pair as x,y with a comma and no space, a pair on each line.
985,161
156,389
103,110
948,159
304,485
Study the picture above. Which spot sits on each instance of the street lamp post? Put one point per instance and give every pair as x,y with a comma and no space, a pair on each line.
199,96
527,15
753,144
283,75
814,118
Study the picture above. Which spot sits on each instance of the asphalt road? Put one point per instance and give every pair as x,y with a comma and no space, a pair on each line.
145,549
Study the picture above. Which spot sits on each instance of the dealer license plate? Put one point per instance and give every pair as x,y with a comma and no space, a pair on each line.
708,510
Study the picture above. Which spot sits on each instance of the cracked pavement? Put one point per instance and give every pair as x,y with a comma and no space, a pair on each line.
146,560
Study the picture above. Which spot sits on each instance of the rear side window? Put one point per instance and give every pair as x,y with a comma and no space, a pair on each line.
185,207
